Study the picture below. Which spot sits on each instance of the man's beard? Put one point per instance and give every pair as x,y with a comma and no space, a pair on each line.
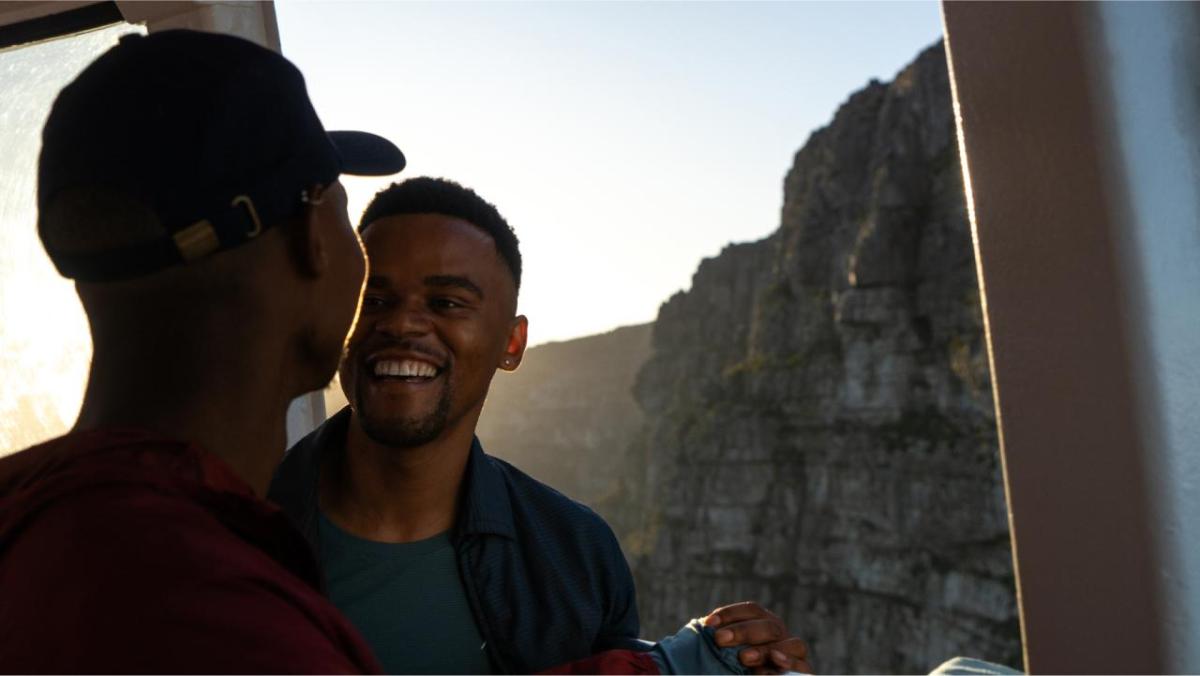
409,432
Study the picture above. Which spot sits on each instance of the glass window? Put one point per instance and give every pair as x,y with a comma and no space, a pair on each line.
45,348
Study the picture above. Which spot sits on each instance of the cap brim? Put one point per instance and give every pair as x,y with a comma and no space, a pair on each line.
364,154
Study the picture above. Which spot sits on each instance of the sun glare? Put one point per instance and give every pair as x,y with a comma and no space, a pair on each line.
45,346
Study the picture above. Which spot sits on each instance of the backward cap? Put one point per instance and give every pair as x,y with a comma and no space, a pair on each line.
184,122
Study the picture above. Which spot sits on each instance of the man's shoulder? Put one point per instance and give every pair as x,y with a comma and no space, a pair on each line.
134,494
164,586
119,527
564,568
68,473
58,458
536,505
153,544
113,494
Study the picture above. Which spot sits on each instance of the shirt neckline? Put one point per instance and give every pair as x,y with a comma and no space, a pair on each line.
416,547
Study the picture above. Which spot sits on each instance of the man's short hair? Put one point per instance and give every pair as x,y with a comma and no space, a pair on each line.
426,195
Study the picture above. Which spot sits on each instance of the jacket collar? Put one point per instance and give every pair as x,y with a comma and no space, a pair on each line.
295,486
484,509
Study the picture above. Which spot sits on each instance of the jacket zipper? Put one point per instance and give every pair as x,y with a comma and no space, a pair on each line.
481,620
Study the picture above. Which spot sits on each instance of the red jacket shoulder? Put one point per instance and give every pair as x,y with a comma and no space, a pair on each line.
138,577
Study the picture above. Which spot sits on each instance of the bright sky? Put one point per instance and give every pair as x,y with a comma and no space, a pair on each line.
623,141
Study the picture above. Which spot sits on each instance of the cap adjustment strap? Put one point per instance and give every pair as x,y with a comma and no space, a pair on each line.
196,241
236,224
201,238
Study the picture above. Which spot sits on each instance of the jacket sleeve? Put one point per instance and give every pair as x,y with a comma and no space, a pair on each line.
621,626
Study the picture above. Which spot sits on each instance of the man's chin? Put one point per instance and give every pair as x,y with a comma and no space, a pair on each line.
401,422
402,432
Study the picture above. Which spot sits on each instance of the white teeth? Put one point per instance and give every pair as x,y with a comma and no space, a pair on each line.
405,368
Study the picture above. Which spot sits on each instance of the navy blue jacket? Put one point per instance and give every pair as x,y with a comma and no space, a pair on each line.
545,577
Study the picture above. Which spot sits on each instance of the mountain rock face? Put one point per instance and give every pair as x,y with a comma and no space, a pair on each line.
819,432
813,426
567,415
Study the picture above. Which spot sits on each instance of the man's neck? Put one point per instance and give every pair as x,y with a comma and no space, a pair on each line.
230,402
388,494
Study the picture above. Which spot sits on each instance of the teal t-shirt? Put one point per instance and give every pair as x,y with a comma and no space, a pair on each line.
406,599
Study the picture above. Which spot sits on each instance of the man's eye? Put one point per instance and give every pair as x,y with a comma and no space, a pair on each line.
446,303
372,302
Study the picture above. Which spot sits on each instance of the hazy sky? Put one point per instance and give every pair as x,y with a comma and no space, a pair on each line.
623,141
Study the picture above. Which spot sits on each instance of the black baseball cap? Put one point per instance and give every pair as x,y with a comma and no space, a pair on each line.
214,134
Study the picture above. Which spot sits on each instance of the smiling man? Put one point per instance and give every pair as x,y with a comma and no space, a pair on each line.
446,559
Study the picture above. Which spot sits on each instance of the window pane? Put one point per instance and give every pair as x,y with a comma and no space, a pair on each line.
45,348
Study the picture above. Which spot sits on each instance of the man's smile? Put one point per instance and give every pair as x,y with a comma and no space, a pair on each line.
403,368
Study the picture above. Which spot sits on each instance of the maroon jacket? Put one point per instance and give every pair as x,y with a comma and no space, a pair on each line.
122,551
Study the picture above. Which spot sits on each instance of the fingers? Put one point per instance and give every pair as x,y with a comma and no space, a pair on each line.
792,648
791,655
751,633
745,624
769,647
787,655
751,657
747,610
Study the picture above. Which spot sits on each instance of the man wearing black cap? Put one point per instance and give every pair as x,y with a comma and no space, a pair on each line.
187,186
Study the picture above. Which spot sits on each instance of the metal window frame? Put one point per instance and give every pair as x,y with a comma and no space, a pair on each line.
30,31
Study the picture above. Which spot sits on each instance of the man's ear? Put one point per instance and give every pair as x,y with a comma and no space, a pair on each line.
309,245
514,350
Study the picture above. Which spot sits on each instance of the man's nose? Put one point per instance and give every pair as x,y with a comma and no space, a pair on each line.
409,318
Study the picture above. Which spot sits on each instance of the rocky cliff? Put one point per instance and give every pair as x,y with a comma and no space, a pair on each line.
819,429
816,428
